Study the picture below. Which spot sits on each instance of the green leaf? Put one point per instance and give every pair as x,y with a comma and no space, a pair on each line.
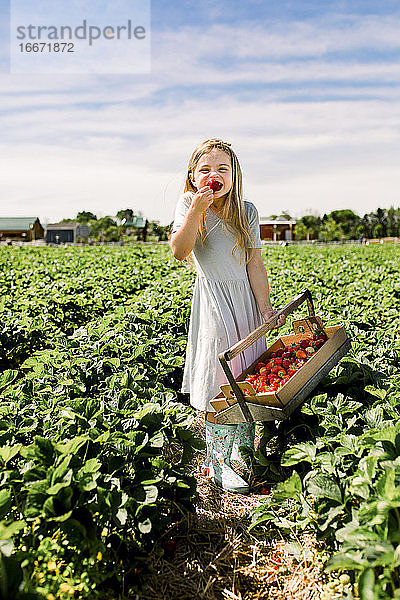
7,378
324,487
9,530
73,445
366,585
378,393
299,453
5,502
61,470
7,453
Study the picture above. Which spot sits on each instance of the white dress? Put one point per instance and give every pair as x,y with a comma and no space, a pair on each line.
224,309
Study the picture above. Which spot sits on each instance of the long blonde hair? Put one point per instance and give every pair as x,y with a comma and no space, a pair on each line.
234,217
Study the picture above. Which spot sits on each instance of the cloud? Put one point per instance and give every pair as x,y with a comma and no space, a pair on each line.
312,110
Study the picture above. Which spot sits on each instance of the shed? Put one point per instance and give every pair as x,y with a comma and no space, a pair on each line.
25,229
68,232
279,229
136,225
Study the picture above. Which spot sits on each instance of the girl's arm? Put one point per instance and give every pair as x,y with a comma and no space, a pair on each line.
182,241
259,284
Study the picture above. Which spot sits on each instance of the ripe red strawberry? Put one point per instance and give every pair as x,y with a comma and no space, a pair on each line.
170,546
286,363
305,343
215,185
318,343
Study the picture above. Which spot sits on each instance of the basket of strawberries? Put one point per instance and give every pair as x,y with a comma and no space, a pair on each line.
285,374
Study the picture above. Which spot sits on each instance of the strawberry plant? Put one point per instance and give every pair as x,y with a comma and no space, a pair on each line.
337,458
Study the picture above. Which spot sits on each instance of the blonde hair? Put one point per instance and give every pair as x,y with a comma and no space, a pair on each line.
234,217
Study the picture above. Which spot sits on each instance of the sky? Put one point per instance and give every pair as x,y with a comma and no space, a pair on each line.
307,92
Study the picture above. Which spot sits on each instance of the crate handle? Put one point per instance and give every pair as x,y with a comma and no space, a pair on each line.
239,347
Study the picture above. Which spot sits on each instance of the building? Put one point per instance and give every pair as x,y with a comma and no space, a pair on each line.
22,229
66,233
136,226
277,230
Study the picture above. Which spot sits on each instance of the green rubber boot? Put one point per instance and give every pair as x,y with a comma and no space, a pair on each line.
244,436
219,441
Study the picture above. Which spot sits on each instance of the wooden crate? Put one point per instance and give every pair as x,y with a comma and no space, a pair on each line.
280,404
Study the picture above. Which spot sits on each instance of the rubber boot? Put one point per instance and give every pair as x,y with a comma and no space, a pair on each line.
244,436
219,441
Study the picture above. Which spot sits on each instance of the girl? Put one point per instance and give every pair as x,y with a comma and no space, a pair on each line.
231,294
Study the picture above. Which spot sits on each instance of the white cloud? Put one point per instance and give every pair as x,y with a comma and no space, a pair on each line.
102,144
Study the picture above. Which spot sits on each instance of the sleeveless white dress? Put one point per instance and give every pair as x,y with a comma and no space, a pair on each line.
224,309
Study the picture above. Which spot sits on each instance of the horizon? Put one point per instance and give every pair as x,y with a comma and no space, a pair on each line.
308,95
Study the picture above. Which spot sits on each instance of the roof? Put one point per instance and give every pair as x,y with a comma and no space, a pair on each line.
136,222
17,223
265,221
63,226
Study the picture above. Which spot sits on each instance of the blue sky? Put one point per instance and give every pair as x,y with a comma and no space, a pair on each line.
307,93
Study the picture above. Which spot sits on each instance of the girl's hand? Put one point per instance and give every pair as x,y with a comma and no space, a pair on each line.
203,198
267,314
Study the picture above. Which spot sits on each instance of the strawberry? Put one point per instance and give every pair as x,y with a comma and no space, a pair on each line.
170,546
215,185
279,352
286,363
304,343
318,343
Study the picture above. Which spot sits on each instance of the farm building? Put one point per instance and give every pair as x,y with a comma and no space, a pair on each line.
23,229
62,233
276,230
136,226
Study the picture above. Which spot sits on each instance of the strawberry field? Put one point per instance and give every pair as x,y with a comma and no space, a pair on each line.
96,442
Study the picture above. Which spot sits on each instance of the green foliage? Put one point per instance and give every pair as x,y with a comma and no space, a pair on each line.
93,445
340,459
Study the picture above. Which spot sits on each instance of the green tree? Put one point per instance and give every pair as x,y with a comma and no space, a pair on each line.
300,231
330,230
98,228
312,225
127,213
85,216
393,222
348,221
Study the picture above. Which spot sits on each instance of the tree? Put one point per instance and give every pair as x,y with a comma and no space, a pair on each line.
393,222
312,225
300,231
330,230
85,216
127,213
348,221
99,227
